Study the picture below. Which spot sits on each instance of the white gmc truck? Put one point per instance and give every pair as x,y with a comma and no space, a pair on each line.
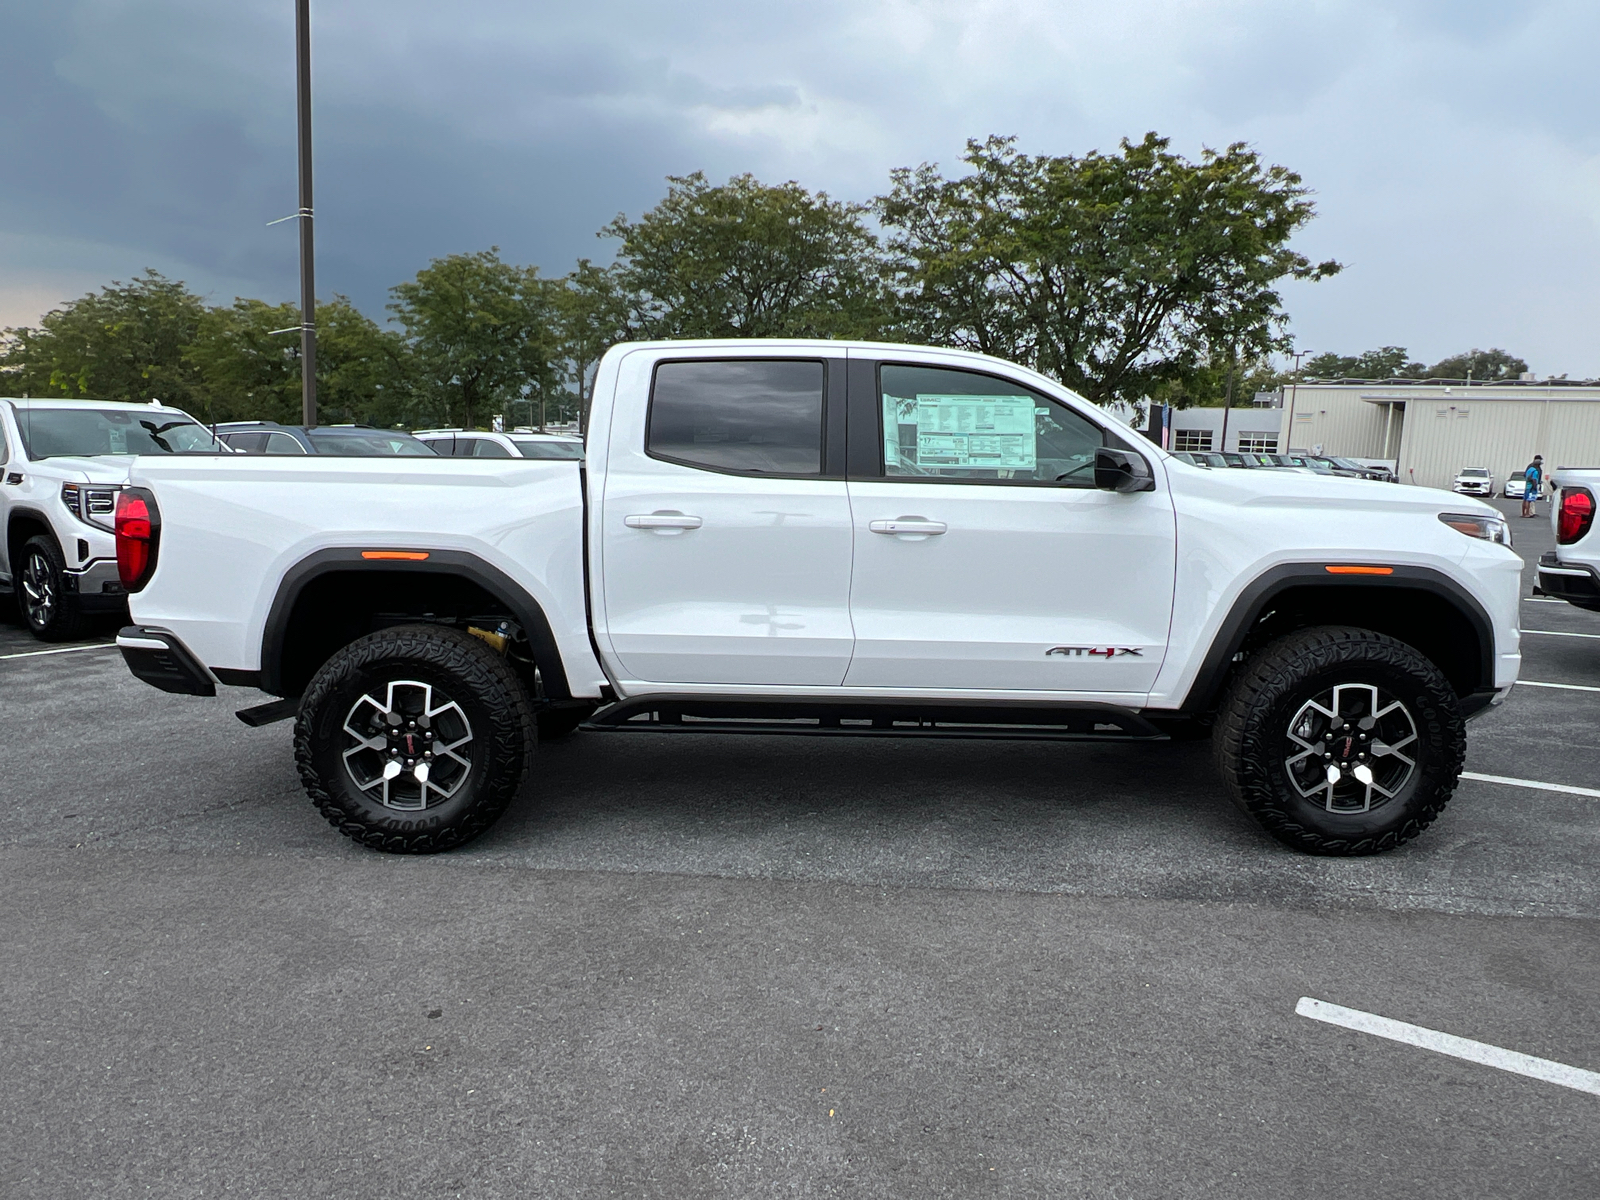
827,538
1571,571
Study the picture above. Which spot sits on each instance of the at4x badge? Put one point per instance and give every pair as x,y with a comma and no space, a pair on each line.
1095,651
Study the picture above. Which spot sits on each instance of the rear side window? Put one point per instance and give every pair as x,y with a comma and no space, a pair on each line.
489,448
282,443
761,416
246,443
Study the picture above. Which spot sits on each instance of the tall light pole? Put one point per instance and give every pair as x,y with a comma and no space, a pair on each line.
308,287
1294,382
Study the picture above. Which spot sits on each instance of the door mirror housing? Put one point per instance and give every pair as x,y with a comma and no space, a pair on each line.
1122,471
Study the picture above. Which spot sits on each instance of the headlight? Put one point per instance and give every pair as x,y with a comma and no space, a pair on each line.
90,504
1490,529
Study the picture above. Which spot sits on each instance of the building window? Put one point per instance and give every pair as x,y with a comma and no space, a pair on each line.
1258,443
1191,439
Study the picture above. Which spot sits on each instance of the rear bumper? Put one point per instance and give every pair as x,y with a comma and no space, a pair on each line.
162,661
1573,582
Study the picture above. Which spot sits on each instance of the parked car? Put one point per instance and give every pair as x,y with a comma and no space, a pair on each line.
1474,481
745,552
362,441
1323,465
519,443
1571,571
62,463
1193,458
1367,471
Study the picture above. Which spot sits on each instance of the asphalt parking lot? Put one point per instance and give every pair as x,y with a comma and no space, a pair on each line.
724,966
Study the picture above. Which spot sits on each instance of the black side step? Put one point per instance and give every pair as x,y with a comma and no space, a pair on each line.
272,710
875,718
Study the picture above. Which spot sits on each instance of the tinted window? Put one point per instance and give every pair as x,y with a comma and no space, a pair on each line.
940,423
489,448
533,449
367,443
282,443
247,443
751,415
52,432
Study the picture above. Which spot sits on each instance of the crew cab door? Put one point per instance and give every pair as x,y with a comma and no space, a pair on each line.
985,556
725,535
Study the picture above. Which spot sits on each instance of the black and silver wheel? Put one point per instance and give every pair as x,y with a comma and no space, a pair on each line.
51,613
1341,741
414,740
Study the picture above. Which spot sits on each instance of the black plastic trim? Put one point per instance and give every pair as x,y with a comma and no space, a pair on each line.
1252,603
234,677
174,669
546,654
1003,719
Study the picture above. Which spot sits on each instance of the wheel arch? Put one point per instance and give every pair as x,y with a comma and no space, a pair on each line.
1418,605
24,523
308,621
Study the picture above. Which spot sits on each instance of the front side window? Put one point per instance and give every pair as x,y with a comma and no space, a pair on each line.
89,432
757,416
941,423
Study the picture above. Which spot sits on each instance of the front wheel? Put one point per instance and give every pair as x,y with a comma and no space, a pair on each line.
413,740
1341,741
50,611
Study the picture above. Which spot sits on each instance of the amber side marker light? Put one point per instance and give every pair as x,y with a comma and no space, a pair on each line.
400,555
1359,570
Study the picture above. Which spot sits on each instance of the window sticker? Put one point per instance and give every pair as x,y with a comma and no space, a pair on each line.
941,432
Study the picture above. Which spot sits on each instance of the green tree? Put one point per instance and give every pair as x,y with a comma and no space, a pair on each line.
483,334
1386,362
747,260
125,342
1478,364
593,315
1111,272
248,368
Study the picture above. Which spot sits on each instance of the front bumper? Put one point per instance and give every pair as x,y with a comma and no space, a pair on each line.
97,585
162,661
1572,582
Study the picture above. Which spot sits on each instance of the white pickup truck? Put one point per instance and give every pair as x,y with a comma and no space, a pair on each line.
827,538
1571,571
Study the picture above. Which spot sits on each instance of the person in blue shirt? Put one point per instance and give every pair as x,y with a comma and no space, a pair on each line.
1532,480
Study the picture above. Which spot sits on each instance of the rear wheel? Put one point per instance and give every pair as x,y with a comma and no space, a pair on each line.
414,740
52,613
1341,741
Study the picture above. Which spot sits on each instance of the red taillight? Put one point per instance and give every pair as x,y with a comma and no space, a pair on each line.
138,525
1575,515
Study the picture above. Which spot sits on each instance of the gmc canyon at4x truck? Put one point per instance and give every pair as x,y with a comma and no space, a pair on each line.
827,538
1571,571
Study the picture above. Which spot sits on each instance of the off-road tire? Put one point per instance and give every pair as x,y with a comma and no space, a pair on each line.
1252,742
462,668
556,723
65,620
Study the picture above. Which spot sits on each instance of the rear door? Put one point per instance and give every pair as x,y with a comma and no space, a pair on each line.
985,557
726,534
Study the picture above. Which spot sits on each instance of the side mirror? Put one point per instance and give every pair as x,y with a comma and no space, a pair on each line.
1121,471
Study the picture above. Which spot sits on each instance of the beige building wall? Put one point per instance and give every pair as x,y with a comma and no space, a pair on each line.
1434,431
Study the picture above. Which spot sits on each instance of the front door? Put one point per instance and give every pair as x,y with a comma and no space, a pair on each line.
985,557
726,546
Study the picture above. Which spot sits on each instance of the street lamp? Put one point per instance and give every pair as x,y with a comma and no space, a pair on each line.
1294,382
308,287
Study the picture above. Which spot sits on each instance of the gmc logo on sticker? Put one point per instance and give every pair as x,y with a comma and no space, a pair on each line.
1095,651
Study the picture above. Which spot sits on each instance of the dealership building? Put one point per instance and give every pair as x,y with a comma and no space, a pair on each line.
1428,430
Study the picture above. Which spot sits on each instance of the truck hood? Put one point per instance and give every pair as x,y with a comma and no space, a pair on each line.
1294,490
84,470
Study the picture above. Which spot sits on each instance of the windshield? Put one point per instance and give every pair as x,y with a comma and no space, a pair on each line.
368,443
1475,473
90,432
534,449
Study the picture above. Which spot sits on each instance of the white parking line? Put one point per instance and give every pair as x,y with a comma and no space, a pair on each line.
1558,633
62,650
1447,1043
1532,783
1570,687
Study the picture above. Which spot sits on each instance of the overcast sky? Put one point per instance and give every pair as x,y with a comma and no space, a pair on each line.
1452,144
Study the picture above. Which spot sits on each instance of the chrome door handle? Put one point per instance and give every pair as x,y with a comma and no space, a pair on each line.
662,520
908,525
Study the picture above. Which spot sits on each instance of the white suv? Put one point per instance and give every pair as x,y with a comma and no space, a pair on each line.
1475,481
473,443
62,463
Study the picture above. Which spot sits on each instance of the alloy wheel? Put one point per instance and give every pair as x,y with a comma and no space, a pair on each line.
38,590
1349,748
411,750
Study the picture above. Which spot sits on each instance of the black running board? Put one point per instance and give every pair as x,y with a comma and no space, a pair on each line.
875,718
272,710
